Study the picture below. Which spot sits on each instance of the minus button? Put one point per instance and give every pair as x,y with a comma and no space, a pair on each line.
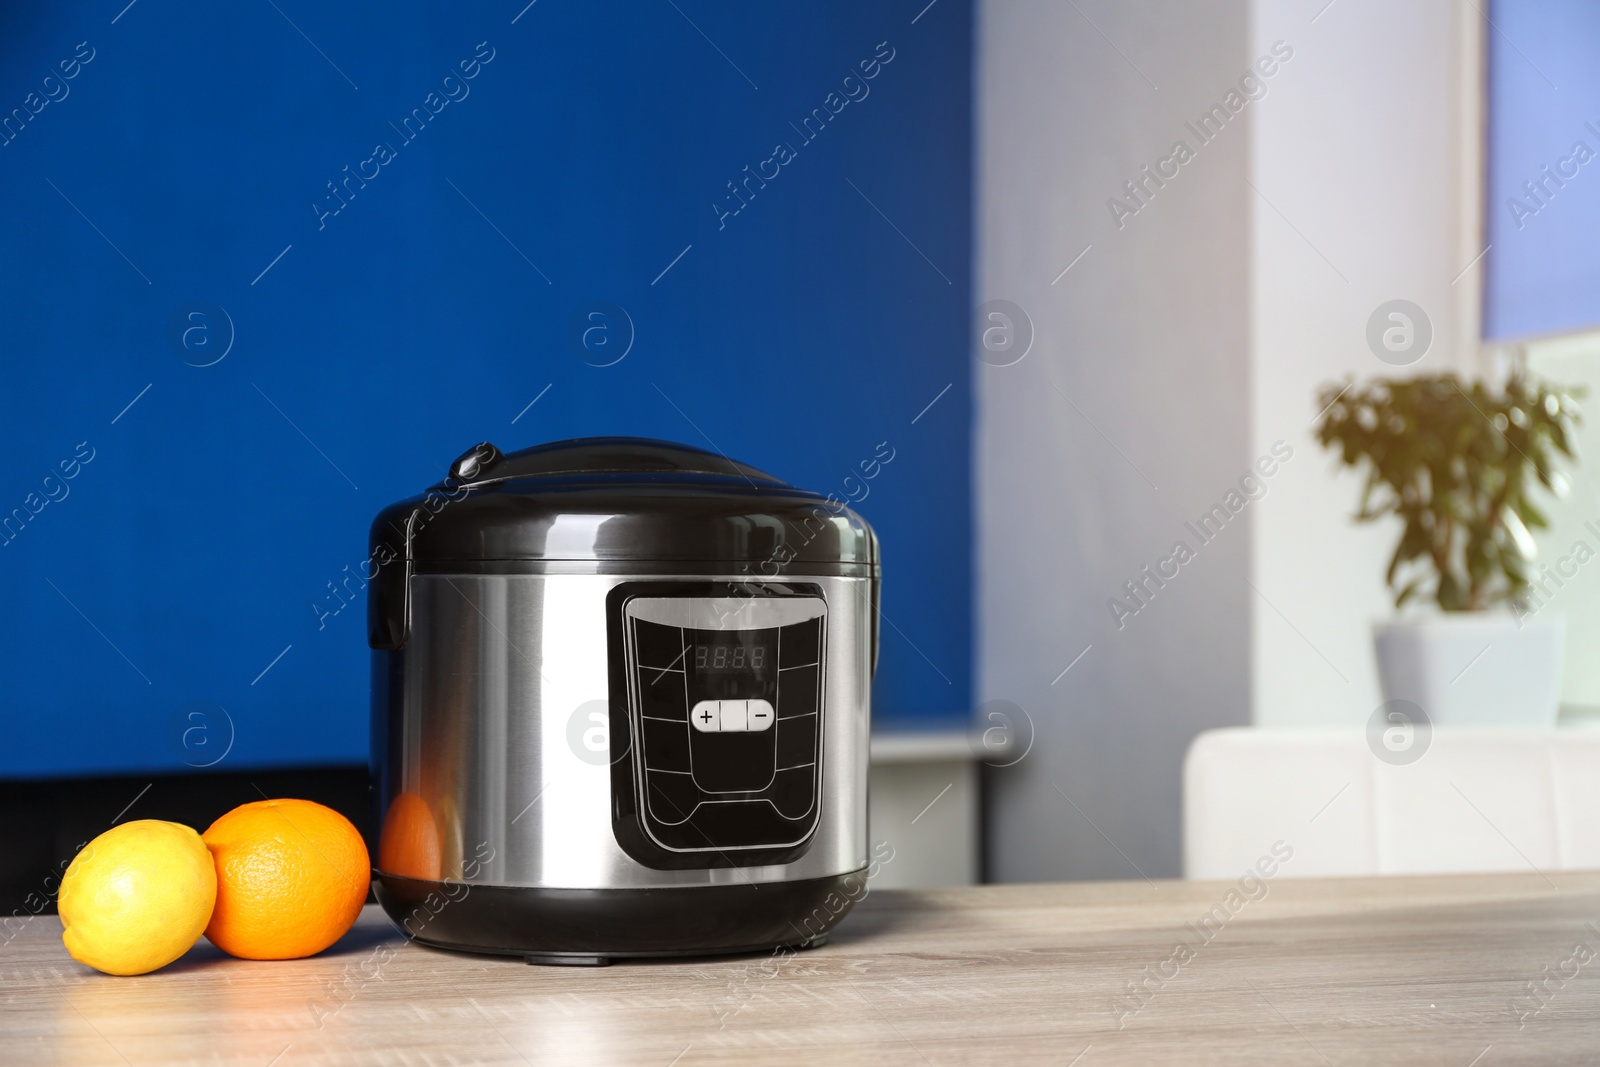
758,714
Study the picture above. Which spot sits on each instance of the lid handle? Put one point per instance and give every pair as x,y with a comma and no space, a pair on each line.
474,462
484,464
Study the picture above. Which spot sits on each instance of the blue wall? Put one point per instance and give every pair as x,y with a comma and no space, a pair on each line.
1543,267
177,172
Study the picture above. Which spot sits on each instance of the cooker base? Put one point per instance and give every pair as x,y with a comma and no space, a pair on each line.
594,927
576,959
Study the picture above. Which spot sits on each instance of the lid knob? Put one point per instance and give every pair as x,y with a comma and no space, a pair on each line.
474,461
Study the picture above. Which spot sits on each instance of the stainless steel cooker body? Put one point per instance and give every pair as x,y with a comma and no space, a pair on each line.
498,716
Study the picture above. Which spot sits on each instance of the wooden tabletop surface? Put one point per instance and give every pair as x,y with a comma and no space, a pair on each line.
1428,970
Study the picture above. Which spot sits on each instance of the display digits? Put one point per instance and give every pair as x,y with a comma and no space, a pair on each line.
729,657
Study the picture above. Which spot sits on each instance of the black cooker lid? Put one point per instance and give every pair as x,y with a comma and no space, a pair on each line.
484,464
627,500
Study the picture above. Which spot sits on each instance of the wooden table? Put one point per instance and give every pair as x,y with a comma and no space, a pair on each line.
1359,971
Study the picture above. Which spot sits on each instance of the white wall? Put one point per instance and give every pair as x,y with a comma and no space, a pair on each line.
1148,335
1567,585
1368,147
1190,340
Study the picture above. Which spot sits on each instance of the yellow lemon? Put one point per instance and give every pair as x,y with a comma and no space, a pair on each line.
137,897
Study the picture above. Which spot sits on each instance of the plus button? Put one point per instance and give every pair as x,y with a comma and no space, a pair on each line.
706,716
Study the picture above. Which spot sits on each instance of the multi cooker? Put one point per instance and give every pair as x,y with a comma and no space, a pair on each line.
620,704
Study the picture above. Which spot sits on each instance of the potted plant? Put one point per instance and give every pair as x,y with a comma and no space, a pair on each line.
1457,464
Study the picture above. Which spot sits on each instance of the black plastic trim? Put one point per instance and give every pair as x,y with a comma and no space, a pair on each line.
594,926
592,457
626,822
651,502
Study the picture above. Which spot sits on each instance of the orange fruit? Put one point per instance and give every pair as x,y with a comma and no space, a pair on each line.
409,843
292,876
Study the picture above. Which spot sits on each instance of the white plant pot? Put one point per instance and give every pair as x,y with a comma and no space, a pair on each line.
1474,668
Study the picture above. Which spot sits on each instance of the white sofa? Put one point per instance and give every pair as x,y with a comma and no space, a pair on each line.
1476,800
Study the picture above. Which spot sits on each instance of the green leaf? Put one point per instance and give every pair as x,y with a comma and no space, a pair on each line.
1454,461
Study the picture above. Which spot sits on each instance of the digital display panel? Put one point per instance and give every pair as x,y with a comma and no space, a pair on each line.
713,657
